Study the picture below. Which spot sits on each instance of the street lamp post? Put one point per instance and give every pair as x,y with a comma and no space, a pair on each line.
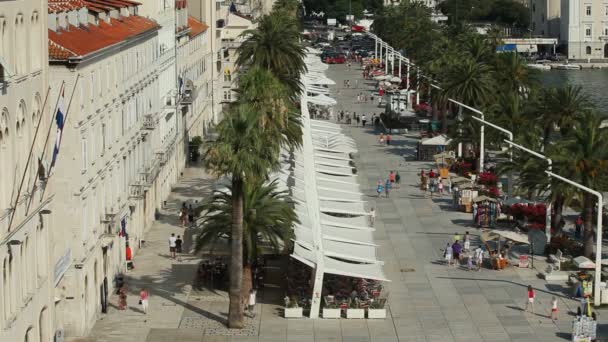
598,248
510,134
481,143
549,169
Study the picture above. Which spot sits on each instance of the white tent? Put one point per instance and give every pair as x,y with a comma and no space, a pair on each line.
440,140
334,235
322,100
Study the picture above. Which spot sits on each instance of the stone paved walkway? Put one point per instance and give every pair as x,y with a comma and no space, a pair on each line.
428,301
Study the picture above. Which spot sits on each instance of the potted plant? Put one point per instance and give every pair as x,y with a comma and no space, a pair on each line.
292,309
376,309
354,311
331,309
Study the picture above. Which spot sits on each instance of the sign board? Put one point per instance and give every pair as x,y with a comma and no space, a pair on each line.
523,261
331,22
62,265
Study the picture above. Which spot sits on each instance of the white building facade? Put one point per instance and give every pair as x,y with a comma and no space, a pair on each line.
26,303
584,28
545,18
194,64
232,40
112,170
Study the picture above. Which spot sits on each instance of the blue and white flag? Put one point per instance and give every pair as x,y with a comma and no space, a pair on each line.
59,117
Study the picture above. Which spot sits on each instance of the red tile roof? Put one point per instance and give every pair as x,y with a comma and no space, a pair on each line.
56,6
196,27
83,40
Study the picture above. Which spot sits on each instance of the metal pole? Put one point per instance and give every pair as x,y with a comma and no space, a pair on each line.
376,48
549,168
510,134
481,147
386,63
598,229
400,75
407,81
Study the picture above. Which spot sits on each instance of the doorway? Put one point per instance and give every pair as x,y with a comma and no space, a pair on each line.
606,51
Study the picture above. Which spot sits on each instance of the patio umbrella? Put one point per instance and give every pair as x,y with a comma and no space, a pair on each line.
483,198
377,73
388,84
379,78
583,262
396,79
511,235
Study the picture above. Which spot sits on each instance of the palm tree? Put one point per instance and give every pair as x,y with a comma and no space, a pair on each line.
267,223
583,157
245,154
470,82
263,92
560,108
275,46
512,74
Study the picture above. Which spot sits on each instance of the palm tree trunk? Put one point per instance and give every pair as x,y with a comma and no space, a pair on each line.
247,282
588,207
235,310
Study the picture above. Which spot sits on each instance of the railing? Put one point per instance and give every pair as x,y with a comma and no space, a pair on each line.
135,190
231,44
148,123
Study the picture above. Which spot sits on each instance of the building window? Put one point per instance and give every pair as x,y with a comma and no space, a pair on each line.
103,138
605,31
588,50
588,10
606,11
227,95
227,76
588,32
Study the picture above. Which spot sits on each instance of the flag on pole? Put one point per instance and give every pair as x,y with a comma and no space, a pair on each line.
181,85
59,117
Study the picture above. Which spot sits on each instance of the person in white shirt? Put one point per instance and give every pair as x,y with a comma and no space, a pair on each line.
479,257
172,245
251,302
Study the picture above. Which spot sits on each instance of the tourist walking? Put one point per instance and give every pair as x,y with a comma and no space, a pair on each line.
358,98
178,247
553,308
356,84
388,188
467,242
379,187
183,215
388,139
432,174
372,216
391,177
363,120
530,302
381,139
479,257
358,119
251,302
143,300
190,214
447,254
440,187
457,250
122,297
578,227
398,180
469,261
172,245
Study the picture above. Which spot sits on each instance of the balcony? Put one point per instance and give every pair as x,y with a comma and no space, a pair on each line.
162,157
148,123
220,23
136,191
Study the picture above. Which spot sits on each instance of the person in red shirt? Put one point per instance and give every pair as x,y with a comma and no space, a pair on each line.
129,257
531,296
432,174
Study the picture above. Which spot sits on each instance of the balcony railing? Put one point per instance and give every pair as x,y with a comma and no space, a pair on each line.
148,123
136,191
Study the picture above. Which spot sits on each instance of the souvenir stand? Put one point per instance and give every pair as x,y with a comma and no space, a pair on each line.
443,161
464,196
429,147
486,211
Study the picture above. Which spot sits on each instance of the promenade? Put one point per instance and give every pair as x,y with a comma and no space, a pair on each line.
427,301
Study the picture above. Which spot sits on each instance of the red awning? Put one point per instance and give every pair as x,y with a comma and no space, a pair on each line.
357,28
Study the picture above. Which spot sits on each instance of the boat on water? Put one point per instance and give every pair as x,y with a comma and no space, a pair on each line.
567,66
539,66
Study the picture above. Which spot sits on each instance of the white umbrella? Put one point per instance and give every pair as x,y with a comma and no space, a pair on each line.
507,234
379,78
388,84
320,81
322,100
395,79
